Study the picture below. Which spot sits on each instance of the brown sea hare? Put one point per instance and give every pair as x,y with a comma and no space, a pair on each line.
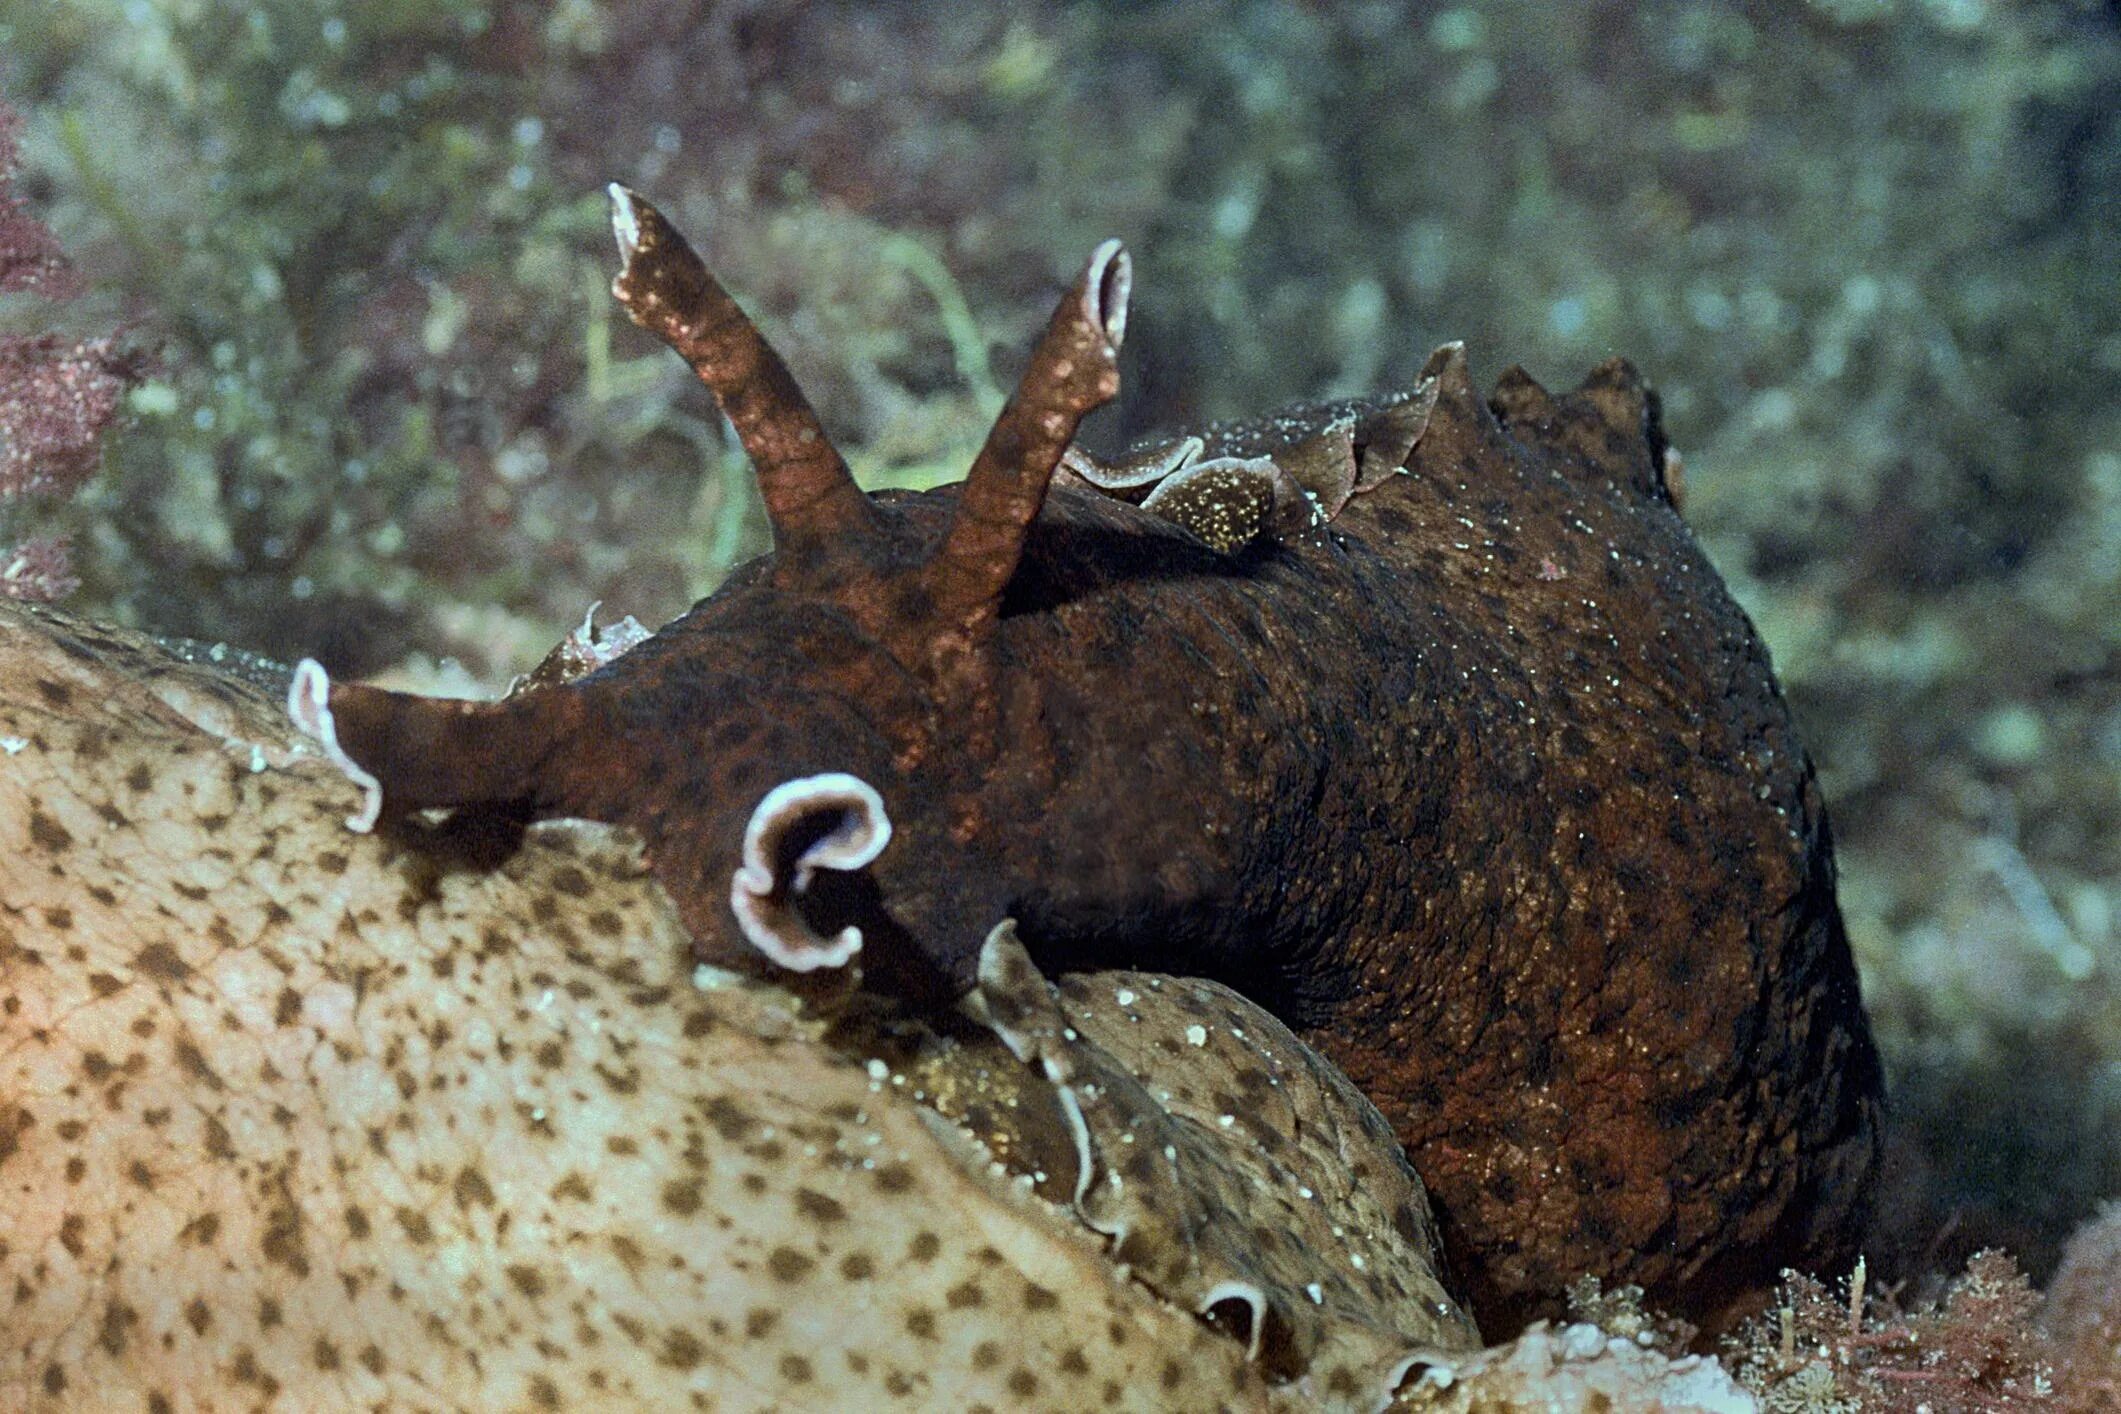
299,1119
1446,744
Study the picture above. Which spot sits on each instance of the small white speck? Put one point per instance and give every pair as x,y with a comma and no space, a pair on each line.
1317,1294
12,745
1170,1153
257,760
1226,1120
877,1069
1303,1192
1356,1258
1068,1033
537,1116
1122,996
1196,1035
545,1001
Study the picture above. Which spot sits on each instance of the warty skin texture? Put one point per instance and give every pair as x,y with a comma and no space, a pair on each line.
1483,784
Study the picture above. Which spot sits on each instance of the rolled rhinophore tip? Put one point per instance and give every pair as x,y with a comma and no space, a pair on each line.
1107,283
625,218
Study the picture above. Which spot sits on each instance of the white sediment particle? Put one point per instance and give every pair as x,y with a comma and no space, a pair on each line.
13,745
1122,996
877,1069
1196,1035
1317,1294
1226,1120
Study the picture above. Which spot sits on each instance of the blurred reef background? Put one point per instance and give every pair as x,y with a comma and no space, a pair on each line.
383,411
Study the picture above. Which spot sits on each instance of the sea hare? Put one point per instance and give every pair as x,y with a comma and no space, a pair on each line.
291,1118
1425,724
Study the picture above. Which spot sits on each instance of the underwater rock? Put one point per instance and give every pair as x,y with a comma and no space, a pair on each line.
299,1118
1574,1369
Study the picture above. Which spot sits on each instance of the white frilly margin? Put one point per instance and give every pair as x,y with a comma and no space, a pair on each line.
760,901
309,705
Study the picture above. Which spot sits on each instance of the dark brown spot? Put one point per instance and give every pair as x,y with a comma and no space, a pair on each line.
48,834
116,1327
193,1062
628,1252
160,960
759,1321
471,1189
730,1120
526,1279
787,1264
795,1369
819,1207
682,1349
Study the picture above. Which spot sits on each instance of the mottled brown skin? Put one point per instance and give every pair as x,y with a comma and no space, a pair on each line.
1484,785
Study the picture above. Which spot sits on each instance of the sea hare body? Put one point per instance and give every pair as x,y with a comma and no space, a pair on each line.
1422,722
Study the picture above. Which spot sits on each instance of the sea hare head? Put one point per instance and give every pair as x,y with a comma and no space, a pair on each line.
862,652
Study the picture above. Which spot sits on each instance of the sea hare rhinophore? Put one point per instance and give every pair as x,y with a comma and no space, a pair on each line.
1421,721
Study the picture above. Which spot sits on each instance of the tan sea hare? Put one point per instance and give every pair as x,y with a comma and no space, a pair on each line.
1421,721
301,1119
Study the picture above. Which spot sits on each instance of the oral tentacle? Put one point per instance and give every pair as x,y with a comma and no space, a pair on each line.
411,753
801,828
